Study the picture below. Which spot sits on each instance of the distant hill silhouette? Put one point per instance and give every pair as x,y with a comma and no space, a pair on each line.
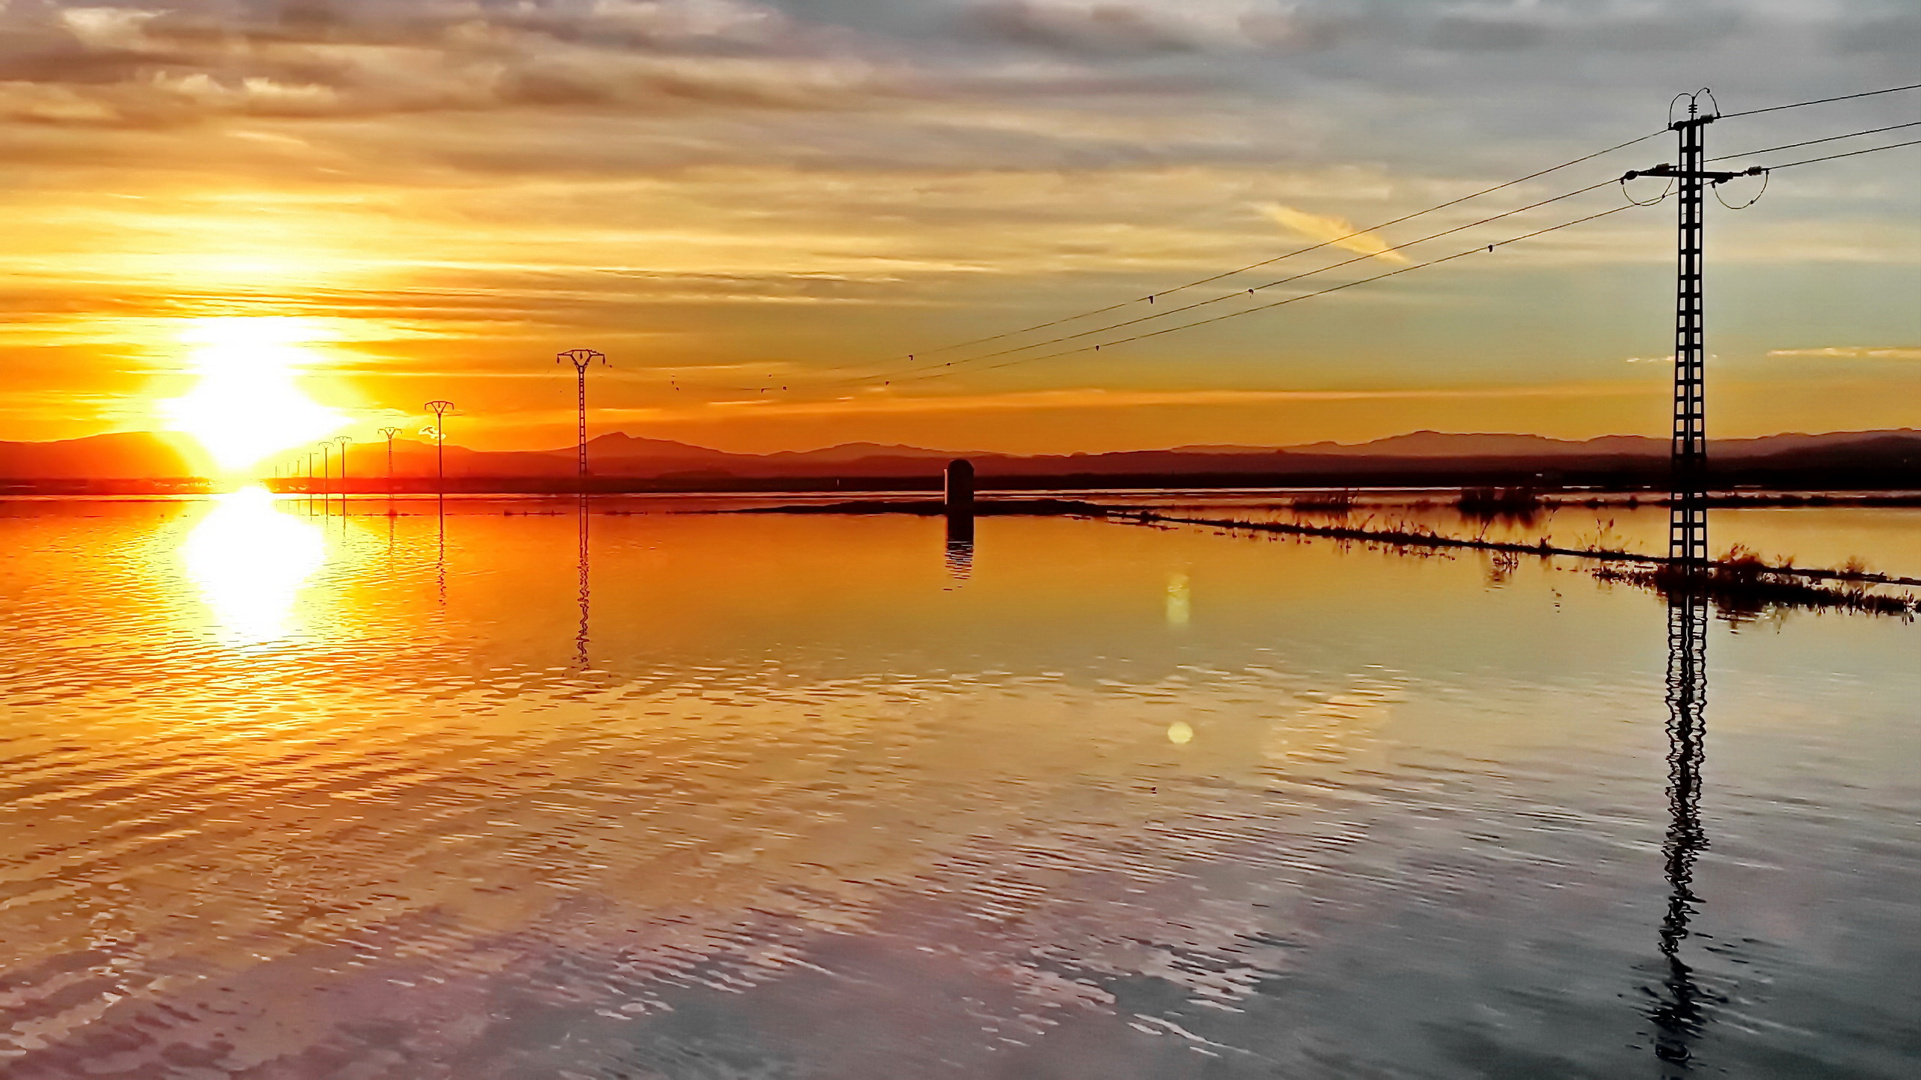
1419,444
131,455
1859,459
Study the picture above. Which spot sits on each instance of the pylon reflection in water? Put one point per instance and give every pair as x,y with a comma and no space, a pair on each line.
1680,1010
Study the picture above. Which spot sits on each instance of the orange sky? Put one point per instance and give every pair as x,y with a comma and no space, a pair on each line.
728,198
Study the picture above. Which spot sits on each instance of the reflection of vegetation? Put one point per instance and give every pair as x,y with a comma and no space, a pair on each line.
1331,502
1604,537
1779,498
1501,566
1499,502
1742,586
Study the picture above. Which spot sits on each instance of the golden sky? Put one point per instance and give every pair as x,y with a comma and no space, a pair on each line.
428,198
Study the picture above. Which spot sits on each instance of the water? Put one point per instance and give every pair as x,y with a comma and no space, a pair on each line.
762,796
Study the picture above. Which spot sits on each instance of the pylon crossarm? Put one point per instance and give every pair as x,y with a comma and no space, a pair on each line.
1684,174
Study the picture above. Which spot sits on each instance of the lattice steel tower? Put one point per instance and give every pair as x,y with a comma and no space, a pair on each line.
1688,450
440,409
582,359
388,433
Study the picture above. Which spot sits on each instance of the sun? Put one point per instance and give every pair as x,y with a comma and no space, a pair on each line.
247,404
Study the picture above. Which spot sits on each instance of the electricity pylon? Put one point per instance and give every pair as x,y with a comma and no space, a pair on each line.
326,487
344,441
440,409
1679,1012
1688,448
582,359
389,433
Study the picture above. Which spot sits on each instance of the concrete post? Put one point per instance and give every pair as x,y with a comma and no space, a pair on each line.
960,488
959,500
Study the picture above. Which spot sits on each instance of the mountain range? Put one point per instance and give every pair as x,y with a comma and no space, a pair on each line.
618,457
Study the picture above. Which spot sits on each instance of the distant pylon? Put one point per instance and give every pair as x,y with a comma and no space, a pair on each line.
440,409
582,359
344,441
389,433
326,468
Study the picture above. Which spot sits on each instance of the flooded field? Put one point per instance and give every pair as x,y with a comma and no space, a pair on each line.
692,795
1883,539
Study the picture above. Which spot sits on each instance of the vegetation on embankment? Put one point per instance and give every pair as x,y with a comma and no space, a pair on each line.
1740,583
935,507
1499,502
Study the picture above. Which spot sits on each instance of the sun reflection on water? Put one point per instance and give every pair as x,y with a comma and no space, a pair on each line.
250,562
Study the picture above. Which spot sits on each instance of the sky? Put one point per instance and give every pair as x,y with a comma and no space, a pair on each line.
760,211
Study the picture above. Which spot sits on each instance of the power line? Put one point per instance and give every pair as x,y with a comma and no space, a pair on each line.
1393,273
1851,153
1820,101
1812,142
1265,285
1253,265
1305,296
1210,279
942,370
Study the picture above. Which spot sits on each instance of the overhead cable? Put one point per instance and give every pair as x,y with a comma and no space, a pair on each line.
1295,299
1238,293
1812,142
914,374
945,370
1851,153
1211,278
1820,101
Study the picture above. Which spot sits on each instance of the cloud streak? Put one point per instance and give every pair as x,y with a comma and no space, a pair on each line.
1328,229
1852,352
1099,398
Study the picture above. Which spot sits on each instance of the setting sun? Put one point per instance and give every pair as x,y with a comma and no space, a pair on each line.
247,403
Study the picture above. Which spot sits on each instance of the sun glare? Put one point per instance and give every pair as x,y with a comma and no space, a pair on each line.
247,403
250,561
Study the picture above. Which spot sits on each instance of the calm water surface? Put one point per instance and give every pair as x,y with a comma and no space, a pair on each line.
713,796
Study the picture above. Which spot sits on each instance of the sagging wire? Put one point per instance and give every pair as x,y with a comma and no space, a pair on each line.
1716,188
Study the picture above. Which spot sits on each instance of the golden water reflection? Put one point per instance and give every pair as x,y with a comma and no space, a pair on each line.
250,561
1131,788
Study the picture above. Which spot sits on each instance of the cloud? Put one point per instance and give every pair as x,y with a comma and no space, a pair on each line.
1326,229
106,27
1485,35
1853,352
158,69
1116,27
878,400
